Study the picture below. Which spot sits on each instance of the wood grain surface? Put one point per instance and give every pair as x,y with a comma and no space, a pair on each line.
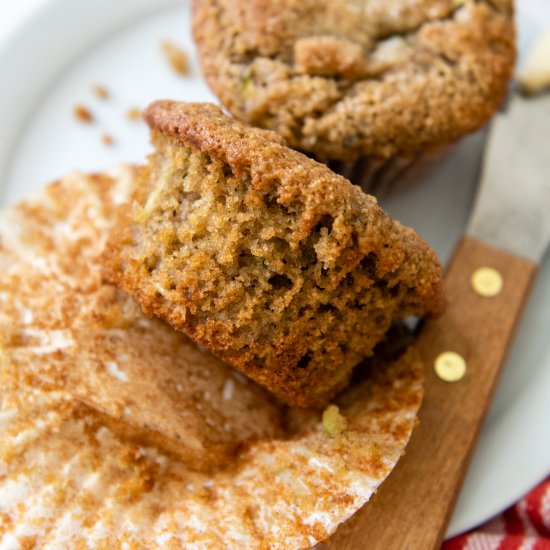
413,506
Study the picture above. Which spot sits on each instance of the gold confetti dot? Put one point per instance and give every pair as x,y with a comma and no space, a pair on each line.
487,282
450,366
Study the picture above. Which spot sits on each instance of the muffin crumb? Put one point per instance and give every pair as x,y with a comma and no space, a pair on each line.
100,91
107,139
83,114
333,422
176,57
134,114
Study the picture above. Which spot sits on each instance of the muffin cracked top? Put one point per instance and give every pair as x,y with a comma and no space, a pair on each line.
344,80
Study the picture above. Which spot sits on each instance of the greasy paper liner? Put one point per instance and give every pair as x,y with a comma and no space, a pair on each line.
68,480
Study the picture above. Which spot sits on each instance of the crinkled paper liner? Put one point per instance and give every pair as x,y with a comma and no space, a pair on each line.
68,481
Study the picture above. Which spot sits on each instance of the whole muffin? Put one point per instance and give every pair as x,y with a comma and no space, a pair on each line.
384,82
280,267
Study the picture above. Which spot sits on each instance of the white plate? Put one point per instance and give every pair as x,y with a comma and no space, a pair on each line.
48,65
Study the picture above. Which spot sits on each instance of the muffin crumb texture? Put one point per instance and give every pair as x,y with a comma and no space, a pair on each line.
343,80
268,259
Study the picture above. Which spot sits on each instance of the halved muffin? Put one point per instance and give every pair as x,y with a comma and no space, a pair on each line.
265,257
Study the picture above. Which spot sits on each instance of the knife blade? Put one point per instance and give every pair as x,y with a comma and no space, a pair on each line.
512,209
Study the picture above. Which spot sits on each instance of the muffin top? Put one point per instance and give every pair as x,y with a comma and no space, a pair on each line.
347,79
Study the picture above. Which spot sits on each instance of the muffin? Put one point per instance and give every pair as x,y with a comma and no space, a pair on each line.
283,269
86,379
376,87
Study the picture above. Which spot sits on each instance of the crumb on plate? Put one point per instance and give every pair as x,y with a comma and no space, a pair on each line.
100,91
534,76
176,57
133,113
107,139
82,113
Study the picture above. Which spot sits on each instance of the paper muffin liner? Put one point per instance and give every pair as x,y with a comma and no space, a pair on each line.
383,177
69,480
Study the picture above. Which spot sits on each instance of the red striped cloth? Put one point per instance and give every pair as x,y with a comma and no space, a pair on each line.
524,526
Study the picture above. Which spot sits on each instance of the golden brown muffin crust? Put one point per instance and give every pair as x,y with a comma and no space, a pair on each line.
342,80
